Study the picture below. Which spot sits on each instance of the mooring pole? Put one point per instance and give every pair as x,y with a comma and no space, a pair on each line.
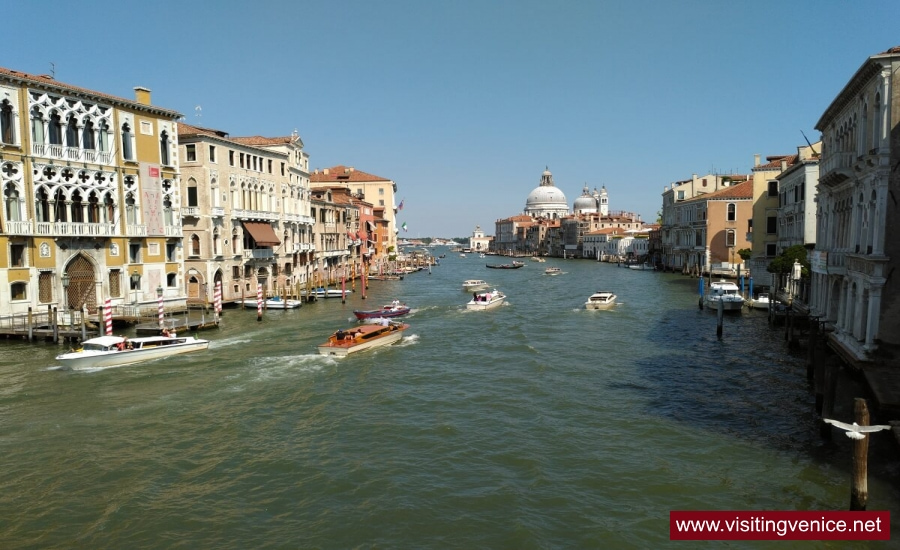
720,318
859,484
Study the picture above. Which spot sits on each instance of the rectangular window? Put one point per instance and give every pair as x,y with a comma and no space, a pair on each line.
115,286
282,168
212,153
773,188
235,272
270,166
230,158
18,291
242,160
729,238
771,225
17,255
680,196
192,199
190,152
45,287
381,191
380,202
771,250
170,251
134,253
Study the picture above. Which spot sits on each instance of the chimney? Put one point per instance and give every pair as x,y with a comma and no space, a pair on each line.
142,95
783,165
756,159
325,171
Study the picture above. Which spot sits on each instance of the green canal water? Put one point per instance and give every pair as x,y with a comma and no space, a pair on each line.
535,425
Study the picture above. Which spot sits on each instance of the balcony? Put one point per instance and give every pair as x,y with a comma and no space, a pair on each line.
136,230
192,211
254,215
75,229
259,254
173,231
217,211
19,228
73,154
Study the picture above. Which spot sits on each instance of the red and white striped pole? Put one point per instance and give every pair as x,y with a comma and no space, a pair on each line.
217,305
107,317
259,302
161,311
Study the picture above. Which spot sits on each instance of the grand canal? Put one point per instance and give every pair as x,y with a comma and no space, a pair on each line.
535,425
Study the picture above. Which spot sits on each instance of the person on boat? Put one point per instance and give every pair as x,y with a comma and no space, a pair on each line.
384,321
395,303
121,345
128,344
339,335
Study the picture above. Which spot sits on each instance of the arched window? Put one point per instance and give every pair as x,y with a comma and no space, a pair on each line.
55,128
43,205
77,207
7,125
109,209
72,132
732,212
217,243
93,210
164,148
37,127
234,241
11,201
130,209
729,238
61,213
168,216
103,137
195,245
87,136
127,145
192,199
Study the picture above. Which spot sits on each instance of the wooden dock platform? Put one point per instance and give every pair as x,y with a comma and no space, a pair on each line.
194,321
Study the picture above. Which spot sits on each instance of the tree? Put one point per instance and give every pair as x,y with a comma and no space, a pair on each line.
785,261
744,253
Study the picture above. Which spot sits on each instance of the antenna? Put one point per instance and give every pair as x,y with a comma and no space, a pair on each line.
53,70
198,110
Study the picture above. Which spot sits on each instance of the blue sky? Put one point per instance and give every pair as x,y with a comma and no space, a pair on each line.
464,103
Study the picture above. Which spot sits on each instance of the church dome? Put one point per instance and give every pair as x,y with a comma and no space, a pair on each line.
546,200
586,202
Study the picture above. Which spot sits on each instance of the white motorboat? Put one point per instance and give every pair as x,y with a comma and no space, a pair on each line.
323,292
761,301
725,292
486,300
274,303
345,342
116,351
553,271
601,299
472,285
641,267
537,259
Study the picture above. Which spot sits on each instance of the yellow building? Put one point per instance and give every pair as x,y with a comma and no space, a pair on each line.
91,197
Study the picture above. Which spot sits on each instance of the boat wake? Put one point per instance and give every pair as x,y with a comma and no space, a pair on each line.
229,342
407,341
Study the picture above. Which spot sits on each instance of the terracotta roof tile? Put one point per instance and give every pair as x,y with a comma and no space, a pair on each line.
342,174
739,191
260,140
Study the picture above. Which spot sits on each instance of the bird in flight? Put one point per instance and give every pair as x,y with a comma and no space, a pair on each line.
855,431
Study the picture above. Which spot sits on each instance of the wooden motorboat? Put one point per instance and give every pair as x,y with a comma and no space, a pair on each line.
394,309
514,265
117,351
347,341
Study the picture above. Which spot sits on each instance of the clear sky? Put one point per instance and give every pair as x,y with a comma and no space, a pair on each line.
464,103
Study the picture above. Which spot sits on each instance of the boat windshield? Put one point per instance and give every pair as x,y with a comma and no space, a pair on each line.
94,347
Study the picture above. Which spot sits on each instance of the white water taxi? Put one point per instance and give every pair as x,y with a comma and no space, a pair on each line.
274,303
345,342
553,271
116,351
471,285
600,300
725,292
486,300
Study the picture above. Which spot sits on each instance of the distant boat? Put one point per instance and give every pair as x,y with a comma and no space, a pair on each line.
323,292
345,342
553,271
514,265
273,303
394,309
486,300
600,300
471,285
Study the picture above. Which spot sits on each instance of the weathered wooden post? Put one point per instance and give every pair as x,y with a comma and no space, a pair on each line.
83,323
55,327
720,318
859,488
30,325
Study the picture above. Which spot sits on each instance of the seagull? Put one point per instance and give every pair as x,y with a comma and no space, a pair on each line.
855,431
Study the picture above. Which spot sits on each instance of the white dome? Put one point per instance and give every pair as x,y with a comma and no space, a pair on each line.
546,200
586,202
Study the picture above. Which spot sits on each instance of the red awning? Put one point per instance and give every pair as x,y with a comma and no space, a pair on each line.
262,233
361,235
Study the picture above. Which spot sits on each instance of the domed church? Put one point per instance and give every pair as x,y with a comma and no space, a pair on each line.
592,203
546,200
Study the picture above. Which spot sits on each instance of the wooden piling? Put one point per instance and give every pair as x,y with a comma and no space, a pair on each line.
720,318
55,323
30,325
859,488
83,324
